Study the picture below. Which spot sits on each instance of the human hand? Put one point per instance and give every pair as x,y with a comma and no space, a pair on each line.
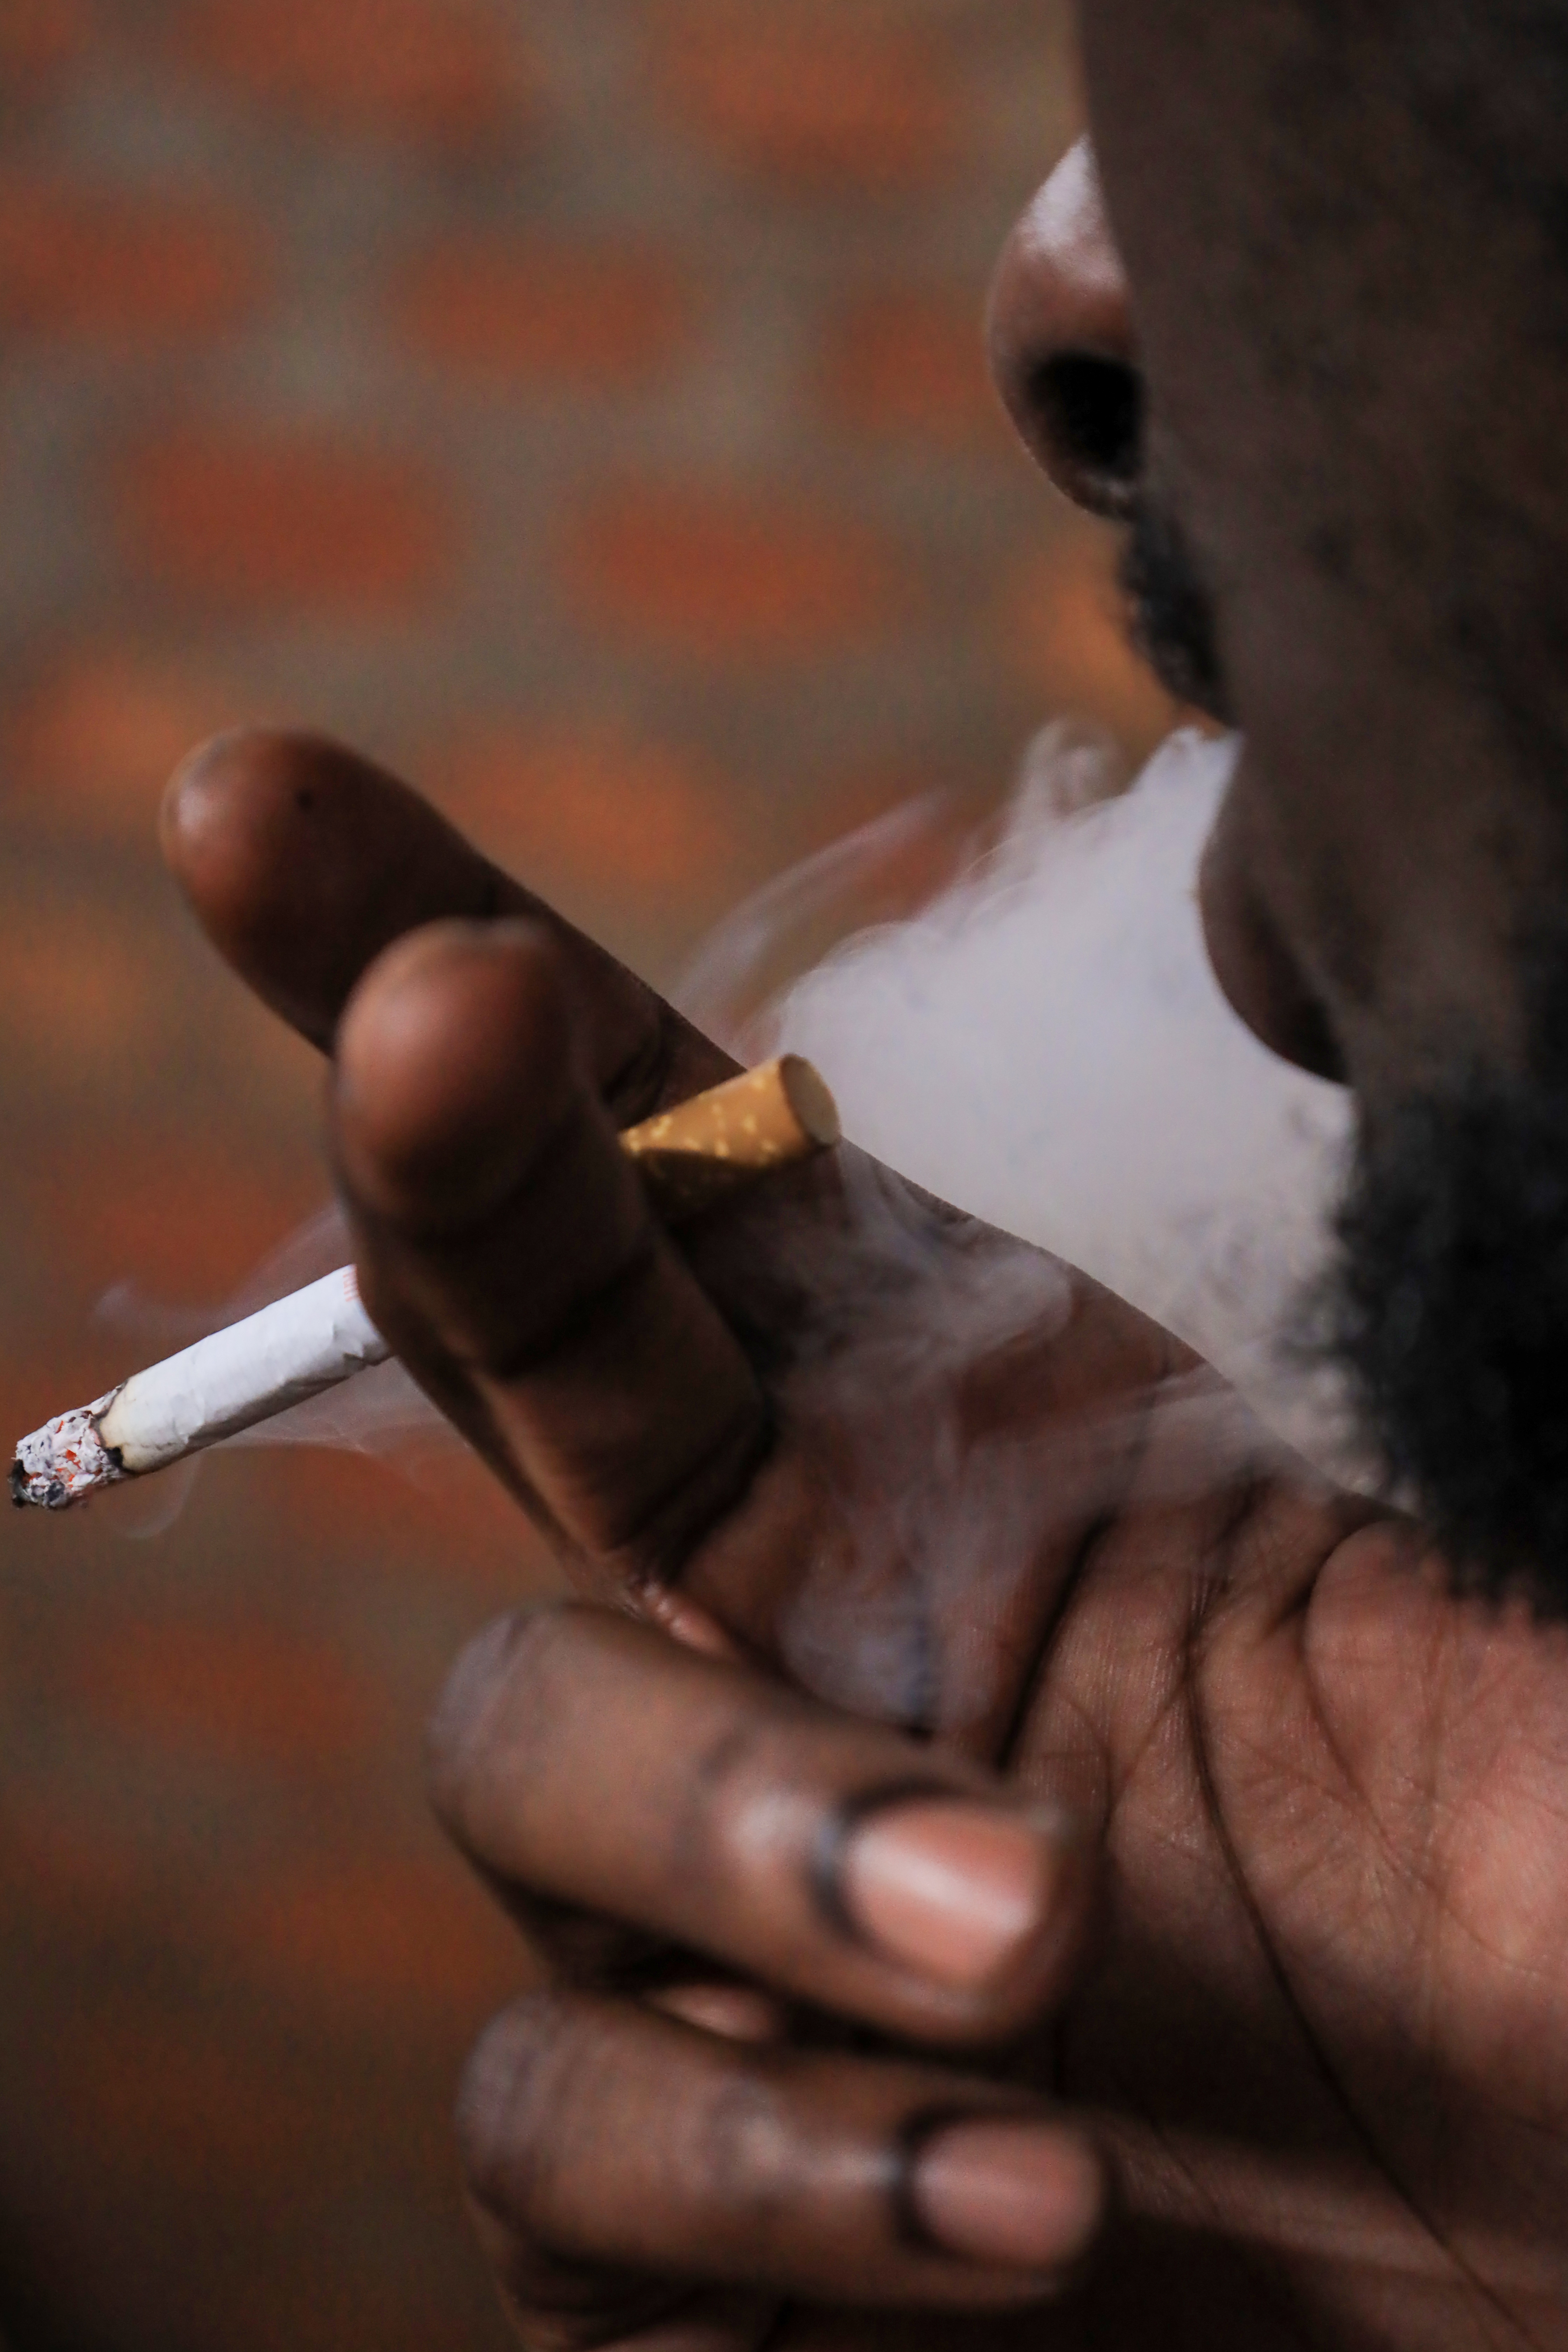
1322,2036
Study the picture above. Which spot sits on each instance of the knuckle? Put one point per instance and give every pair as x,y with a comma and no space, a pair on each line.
756,1806
747,2156
733,1772
727,1764
760,1784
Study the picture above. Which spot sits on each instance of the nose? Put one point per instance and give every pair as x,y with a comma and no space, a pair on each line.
1061,344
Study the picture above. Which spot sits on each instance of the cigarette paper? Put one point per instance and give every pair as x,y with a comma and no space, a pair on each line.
289,1351
691,1158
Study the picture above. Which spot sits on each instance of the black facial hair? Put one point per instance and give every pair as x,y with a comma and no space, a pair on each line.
1450,1307
1171,611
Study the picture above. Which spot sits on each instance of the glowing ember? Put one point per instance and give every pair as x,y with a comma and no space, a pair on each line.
65,1461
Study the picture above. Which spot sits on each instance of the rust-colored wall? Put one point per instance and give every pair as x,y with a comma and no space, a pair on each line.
579,403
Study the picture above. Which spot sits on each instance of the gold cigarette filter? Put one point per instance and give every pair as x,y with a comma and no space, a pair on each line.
695,1155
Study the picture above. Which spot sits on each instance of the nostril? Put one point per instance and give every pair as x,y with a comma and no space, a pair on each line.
1091,412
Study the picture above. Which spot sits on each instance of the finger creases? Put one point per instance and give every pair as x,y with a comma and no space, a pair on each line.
587,1762
598,2133
506,1246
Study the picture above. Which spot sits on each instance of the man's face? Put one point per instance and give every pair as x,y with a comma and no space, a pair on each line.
1326,383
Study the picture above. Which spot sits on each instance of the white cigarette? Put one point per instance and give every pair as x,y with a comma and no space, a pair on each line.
320,1335
289,1351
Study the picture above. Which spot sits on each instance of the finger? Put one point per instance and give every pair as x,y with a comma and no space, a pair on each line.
597,2133
506,1247
584,2309
303,861
589,1761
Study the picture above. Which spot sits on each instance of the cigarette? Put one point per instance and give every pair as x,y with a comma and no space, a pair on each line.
290,1350
691,1158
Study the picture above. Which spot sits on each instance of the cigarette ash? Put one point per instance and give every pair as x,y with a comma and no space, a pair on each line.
65,1461
380,1411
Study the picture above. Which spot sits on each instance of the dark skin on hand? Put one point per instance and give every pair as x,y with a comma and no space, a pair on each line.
1185,1969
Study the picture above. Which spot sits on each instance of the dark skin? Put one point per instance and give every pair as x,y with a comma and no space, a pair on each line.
1184,1967
1066,357
1344,330
1314,2033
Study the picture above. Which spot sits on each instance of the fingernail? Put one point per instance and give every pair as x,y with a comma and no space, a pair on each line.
734,2012
1025,2195
949,1889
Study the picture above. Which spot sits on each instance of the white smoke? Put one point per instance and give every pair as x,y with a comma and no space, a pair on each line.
1046,1047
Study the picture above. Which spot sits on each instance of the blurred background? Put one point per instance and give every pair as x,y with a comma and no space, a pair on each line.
580,406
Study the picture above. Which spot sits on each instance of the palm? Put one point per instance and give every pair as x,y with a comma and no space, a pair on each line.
1326,2028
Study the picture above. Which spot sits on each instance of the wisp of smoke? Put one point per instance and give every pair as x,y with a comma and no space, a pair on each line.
955,1483
1043,1045
1046,1045
380,1411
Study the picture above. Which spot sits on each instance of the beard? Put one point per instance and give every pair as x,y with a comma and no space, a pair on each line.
1171,610
1449,1309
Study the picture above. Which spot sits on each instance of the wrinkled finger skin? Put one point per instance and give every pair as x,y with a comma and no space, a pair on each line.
752,1831
602,2134
744,1818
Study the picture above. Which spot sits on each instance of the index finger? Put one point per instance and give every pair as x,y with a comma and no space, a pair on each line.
837,1861
302,862
506,1247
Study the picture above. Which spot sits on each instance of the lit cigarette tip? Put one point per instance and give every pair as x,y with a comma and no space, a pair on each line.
692,1157
65,1461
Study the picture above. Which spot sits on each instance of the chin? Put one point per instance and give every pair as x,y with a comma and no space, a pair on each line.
1448,1312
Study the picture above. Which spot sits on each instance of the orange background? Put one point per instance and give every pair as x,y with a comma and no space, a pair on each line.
579,404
